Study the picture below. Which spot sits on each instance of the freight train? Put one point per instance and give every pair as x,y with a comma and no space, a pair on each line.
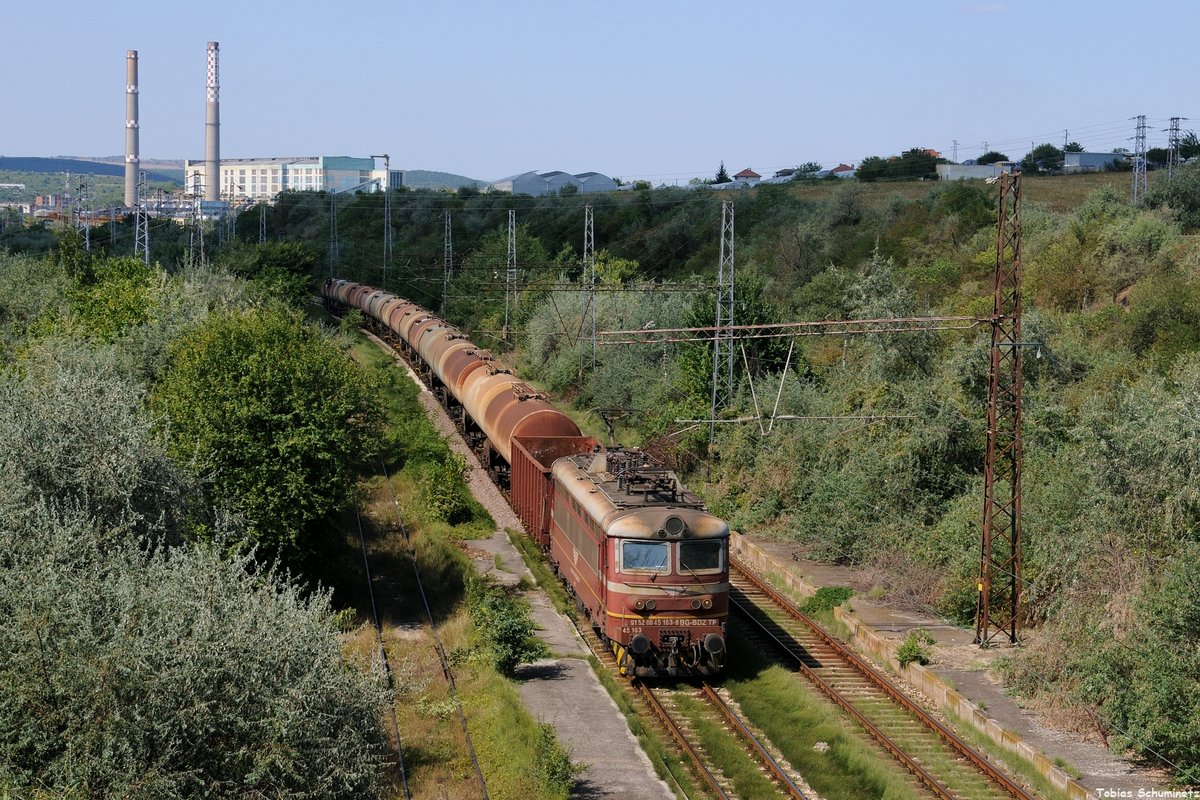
641,555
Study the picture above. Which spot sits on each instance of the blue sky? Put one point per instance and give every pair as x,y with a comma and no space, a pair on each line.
662,89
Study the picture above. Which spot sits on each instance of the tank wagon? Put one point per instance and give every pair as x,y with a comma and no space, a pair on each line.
644,559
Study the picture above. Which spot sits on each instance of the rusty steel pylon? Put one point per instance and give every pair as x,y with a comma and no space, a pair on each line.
998,606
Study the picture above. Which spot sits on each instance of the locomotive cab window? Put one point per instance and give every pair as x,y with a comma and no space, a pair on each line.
701,556
645,556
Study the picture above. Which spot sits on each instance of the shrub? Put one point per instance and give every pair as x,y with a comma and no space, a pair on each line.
915,647
503,625
135,673
827,598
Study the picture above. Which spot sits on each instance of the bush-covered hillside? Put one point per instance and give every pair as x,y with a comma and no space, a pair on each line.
883,469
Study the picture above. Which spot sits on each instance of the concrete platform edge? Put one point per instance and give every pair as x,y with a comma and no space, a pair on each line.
926,680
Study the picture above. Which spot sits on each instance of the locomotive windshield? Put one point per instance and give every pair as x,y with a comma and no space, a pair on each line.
651,556
700,556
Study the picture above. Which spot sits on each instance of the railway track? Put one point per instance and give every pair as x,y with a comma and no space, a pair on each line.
660,703
935,755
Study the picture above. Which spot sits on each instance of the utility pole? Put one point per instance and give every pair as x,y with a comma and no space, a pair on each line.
589,267
511,275
1066,139
333,235
722,374
998,605
82,216
387,214
141,222
196,233
1139,160
262,223
1173,145
447,256
955,158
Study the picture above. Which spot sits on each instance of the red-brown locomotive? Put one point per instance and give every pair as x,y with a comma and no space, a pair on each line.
645,560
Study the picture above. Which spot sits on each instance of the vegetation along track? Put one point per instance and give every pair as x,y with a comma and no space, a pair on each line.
947,765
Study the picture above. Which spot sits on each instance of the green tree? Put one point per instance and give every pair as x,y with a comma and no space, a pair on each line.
872,168
1043,158
1181,194
722,175
283,269
1073,147
991,157
272,410
113,296
807,168
130,672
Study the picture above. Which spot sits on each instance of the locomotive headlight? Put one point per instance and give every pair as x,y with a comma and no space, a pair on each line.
639,605
651,605
695,604
708,602
675,526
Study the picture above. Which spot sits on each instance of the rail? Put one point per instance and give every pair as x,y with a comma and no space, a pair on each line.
748,736
874,676
664,717
437,640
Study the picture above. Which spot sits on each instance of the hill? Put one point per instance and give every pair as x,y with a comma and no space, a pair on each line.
431,179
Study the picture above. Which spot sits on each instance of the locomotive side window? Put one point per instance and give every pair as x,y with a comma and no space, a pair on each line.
645,556
702,556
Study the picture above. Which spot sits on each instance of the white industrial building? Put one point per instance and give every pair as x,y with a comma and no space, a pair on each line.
537,184
255,179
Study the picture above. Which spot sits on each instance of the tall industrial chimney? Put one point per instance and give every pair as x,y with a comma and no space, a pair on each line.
212,131
132,161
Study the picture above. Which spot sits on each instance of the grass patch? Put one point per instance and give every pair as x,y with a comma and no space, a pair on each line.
796,719
1010,761
531,554
725,749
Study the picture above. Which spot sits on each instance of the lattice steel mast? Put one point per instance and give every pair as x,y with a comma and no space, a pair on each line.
333,234
1174,143
387,214
141,222
447,256
999,587
510,278
1139,160
722,371
589,268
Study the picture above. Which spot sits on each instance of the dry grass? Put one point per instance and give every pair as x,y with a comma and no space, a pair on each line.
1056,192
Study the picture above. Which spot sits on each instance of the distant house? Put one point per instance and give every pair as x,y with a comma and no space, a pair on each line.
843,171
784,173
748,176
1091,162
537,184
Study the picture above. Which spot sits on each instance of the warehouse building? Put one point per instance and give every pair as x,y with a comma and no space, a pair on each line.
537,184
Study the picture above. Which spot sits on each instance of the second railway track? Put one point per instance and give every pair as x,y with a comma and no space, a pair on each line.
939,758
